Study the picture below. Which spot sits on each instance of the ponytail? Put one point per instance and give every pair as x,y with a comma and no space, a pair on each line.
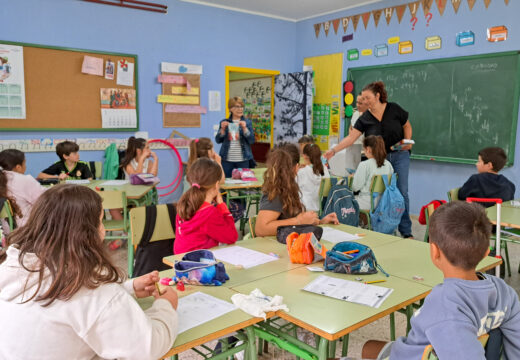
314,153
378,87
377,145
199,148
131,150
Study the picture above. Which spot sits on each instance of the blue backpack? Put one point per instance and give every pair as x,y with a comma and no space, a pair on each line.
341,201
388,213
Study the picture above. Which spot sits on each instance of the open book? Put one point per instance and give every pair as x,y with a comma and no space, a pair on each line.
400,144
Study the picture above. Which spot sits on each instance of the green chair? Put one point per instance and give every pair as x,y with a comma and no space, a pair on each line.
7,213
96,167
427,214
453,195
429,352
115,200
377,186
162,231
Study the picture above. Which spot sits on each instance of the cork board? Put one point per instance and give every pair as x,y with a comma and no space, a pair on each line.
58,95
181,119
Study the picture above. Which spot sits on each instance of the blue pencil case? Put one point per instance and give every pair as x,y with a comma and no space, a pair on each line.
361,262
200,267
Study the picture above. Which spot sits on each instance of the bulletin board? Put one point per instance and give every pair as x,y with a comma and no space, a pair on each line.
58,95
181,119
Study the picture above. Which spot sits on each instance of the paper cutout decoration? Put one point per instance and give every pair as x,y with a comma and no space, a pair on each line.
353,54
471,3
413,7
507,2
376,14
455,4
335,25
92,65
185,109
349,111
497,33
465,38
355,21
175,99
345,22
349,98
405,47
428,18
414,20
366,18
167,67
388,14
433,42
381,50
326,27
348,86
109,70
172,79
400,12
347,37
426,5
487,2
441,6
366,52
183,90
317,29
393,40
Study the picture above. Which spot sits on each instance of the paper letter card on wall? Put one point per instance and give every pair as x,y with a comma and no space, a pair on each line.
381,50
181,68
497,33
353,54
366,52
433,43
393,40
465,38
405,47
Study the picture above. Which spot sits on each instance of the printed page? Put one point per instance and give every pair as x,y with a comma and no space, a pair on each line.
335,236
237,255
199,308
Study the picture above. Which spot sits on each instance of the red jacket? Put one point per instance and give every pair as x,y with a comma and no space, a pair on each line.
209,226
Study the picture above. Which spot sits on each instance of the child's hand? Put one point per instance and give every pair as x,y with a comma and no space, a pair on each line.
63,176
217,158
218,198
331,218
169,294
153,155
308,218
145,285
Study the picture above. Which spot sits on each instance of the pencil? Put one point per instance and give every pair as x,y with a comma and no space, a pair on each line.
158,288
351,251
375,281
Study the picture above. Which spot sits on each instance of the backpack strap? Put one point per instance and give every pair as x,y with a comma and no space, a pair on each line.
149,225
92,166
172,211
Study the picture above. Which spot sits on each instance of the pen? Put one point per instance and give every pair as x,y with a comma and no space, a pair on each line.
351,251
374,281
158,288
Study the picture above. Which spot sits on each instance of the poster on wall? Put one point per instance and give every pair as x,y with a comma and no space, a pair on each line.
293,106
118,108
256,94
12,84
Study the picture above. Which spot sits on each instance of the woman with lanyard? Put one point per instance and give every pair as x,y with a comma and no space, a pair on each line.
236,136
389,121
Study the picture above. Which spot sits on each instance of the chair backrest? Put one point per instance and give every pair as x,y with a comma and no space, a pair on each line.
163,228
377,186
453,195
427,214
113,199
429,352
6,212
252,224
325,186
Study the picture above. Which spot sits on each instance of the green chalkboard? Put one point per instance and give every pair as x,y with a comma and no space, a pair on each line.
457,105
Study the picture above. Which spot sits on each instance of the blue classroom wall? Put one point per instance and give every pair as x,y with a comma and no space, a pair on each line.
428,180
189,33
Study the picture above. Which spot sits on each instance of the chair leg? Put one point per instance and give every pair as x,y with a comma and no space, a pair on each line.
508,265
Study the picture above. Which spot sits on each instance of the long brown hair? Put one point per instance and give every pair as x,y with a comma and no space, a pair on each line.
378,87
202,175
8,160
131,150
377,144
279,180
199,148
63,232
313,151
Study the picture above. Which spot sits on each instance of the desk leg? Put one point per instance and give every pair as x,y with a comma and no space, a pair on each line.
332,350
392,326
409,314
344,349
251,347
323,348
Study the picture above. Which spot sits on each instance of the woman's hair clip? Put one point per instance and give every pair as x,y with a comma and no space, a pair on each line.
196,141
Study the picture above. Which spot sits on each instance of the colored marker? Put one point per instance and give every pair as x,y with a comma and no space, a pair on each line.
351,251
158,288
375,281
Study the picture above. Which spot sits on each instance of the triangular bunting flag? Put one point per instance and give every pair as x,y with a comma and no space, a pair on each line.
317,29
355,21
326,27
507,2
426,5
441,5
487,2
335,25
388,14
455,4
400,12
471,3
413,6
366,18
345,22
376,14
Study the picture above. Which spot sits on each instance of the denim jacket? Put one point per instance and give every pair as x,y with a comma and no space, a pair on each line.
245,141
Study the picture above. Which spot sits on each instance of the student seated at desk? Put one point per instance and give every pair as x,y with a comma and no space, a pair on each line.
468,304
139,158
201,148
376,164
69,166
309,177
22,190
61,297
280,203
200,224
488,183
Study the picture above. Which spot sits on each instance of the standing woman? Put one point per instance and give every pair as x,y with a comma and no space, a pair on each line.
236,136
389,121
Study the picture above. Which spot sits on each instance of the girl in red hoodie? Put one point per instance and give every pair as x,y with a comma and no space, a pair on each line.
199,223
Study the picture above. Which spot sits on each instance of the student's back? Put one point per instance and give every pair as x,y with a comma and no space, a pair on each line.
309,177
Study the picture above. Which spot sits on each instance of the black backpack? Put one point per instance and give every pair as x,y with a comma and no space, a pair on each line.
149,255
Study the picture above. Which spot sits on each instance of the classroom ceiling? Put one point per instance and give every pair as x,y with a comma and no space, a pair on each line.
291,10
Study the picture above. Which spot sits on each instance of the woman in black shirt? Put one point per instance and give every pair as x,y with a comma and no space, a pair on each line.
389,121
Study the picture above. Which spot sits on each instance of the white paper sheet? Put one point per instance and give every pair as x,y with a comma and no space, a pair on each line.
235,181
114,182
125,73
351,291
335,236
118,118
214,100
12,83
199,308
78,182
237,255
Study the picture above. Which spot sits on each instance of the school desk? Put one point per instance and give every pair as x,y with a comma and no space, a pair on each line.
214,329
137,195
509,217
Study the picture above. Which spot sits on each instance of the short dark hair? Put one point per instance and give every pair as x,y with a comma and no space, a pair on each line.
461,230
306,139
65,148
292,150
494,155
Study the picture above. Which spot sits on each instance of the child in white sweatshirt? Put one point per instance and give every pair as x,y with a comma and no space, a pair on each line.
62,298
309,177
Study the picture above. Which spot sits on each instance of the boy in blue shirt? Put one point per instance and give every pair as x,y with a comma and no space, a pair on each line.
488,183
468,304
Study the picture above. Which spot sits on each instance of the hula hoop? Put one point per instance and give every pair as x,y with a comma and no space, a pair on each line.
179,174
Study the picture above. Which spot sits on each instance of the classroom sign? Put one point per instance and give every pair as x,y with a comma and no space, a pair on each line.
12,84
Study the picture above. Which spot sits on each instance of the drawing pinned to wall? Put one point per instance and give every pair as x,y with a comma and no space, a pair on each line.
465,38
12,83
366,52
109,70
117,98
352,54
125,73
433,42
497,33
405,47
347,38
381,50
393,40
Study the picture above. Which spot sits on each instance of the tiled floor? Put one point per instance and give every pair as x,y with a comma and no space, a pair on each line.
378,330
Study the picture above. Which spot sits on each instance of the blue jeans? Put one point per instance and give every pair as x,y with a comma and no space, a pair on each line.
400,160
229,166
